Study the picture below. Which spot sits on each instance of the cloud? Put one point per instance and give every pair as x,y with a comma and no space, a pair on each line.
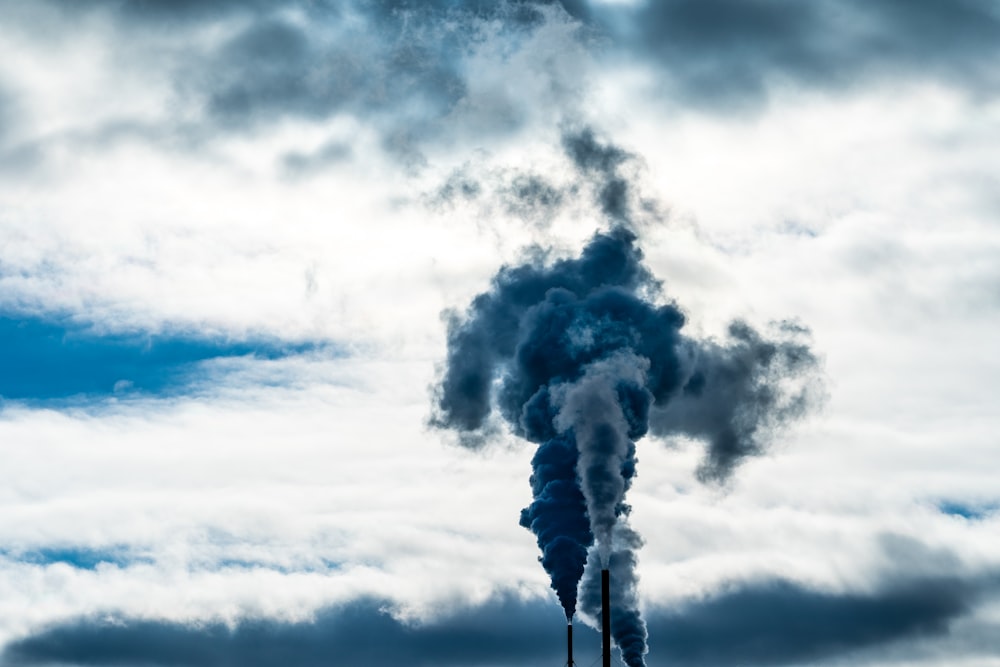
731,54
504,632
207,177
781,622
158,11
412,70
772,622
8,113
276,68
299,164
418,74
433,74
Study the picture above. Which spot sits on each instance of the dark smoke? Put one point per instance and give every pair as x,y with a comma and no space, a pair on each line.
601,162
582,357
558,516
736,394
579,356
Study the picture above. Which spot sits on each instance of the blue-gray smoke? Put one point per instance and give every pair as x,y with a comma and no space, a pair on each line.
582,356
586,353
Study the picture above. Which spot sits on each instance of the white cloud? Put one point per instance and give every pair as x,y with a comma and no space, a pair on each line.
871,217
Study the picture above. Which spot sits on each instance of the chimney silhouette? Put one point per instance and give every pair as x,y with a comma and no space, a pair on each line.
569,643
606,618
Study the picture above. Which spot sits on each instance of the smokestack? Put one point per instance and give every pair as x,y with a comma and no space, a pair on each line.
606,618
569,643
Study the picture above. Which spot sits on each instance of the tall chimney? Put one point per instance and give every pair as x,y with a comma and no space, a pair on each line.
569,643
606,617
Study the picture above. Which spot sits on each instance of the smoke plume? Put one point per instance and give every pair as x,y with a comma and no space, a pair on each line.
627,627
582,356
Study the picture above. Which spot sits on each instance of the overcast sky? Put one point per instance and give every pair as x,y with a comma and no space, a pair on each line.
233,233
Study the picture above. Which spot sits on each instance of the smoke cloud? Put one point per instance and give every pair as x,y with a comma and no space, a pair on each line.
739,393
582,356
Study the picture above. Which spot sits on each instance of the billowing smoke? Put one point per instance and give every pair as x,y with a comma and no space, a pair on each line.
582,356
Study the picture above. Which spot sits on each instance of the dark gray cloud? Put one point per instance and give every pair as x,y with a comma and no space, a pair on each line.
159,12
155,11
763,623
728,54
275,68
504,632
403,66
781,623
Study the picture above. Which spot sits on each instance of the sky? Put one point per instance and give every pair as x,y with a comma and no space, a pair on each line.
239,240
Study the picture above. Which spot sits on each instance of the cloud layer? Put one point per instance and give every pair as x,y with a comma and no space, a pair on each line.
760,623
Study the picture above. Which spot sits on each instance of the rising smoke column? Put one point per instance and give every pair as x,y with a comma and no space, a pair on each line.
580,356
627,626
578,350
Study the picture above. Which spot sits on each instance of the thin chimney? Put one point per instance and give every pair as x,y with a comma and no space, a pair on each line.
606,618
569,643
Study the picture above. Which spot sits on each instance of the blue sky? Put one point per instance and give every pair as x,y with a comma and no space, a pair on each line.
238,237
45,359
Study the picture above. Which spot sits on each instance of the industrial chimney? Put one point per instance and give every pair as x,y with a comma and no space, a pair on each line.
606,618
569,643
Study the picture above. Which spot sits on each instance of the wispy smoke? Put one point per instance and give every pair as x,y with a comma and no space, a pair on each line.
601,162
581,356
737,394
593,409
627,626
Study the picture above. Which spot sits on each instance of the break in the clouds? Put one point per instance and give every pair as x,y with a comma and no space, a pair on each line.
47,359
85,558
241,241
